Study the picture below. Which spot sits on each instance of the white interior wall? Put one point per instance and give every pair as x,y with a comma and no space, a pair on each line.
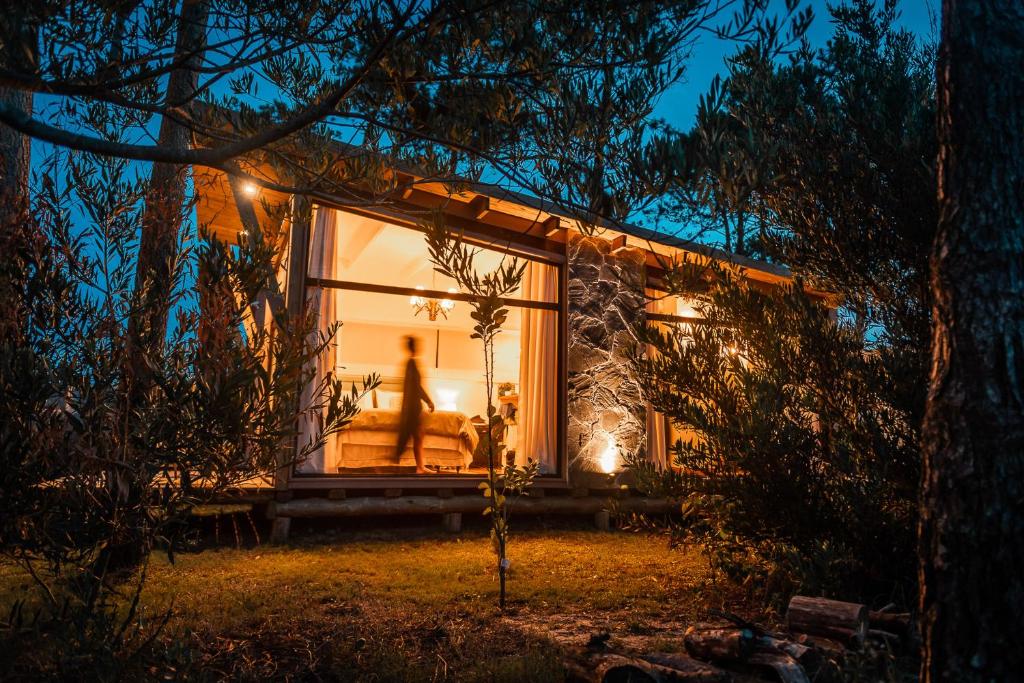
458,377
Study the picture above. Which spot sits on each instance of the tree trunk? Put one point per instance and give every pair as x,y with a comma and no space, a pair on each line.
161,222
20,41
147,328
972,515
15,147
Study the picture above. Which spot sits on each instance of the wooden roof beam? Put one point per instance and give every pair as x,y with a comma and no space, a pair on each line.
479,207
553,228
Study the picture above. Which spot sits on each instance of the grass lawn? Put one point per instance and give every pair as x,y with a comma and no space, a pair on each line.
417,605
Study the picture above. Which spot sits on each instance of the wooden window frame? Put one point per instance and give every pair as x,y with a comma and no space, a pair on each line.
495,240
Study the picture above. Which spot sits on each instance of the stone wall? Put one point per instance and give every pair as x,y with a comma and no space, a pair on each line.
607,417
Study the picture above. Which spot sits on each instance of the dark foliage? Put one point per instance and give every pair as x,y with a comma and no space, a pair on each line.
808,453
86,473
802,472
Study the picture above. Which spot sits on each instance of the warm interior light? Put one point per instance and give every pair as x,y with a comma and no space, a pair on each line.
433,307
609,458
685,308
448,304
447,399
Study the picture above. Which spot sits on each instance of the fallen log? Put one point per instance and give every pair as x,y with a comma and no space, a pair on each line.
843,621
815,661
615,668
784,666
695,669
718,643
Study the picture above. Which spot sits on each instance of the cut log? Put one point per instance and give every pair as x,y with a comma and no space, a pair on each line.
717,643
826,645
891,622
815,661
830,618
848,638
784,666
614,668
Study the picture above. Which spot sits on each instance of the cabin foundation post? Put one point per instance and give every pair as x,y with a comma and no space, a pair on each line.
452,522
602,520
279,530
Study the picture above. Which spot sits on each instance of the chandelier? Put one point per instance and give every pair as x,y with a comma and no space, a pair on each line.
433,307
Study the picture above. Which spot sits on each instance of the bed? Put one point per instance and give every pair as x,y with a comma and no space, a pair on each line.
369,442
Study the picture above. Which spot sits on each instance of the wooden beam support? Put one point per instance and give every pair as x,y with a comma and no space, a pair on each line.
295,301
553,228
279,530
480,206
619,243
406,185
452,522
425,505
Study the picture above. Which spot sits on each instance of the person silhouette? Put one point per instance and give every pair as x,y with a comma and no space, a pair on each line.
410,423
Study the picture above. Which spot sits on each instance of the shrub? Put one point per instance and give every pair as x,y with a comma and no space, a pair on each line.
803,468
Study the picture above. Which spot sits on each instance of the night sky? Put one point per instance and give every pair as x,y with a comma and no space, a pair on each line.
679,106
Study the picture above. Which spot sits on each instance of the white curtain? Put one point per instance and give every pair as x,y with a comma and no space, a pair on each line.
657,424
538,371
322,264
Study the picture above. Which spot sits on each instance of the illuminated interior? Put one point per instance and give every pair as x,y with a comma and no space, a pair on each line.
663,433
376,325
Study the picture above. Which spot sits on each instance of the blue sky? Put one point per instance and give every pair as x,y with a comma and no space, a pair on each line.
679,105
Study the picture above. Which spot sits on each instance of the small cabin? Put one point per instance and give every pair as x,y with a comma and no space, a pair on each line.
566,395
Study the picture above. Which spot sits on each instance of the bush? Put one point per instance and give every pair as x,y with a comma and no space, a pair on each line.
96,470
804,468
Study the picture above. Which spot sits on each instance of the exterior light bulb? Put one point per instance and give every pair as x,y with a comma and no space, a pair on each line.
250,189
609,458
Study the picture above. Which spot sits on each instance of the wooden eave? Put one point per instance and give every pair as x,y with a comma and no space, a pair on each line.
496,214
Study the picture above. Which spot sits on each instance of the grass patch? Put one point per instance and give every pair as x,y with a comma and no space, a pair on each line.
410,606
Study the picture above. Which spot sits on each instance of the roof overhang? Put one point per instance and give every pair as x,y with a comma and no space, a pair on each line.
486,210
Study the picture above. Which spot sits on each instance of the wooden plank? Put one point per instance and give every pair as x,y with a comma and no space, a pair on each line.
432,293
295,302
214,510
421,505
